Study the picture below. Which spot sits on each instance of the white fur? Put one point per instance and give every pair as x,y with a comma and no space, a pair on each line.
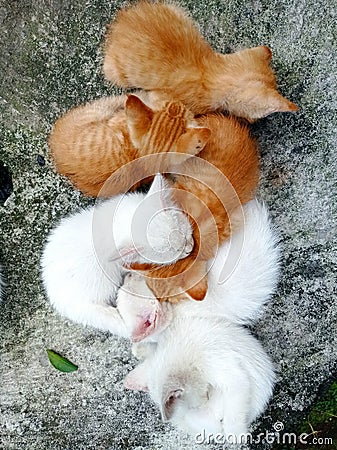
206,374
82,261
213,372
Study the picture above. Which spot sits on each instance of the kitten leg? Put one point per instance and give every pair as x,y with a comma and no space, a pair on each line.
101,316
236,407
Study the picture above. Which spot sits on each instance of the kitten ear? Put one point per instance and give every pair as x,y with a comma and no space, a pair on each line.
268,101
169,402
159,184
136,380
193,141
262,51
277,103
199,290
145,323
139,266
138,114
160,188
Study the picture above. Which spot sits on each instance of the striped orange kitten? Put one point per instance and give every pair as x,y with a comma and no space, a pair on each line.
91,142
158,47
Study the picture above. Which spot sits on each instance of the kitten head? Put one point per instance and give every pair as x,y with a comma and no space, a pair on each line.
251,84
177,393
181,392
170,129
140,310
161,232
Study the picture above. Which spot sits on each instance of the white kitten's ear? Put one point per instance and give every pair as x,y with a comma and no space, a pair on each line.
146,323
138,115
159,184
193,141
160,189
136,380
169,401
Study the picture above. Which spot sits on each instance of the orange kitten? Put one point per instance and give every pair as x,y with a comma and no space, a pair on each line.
209,188
92,142
157,47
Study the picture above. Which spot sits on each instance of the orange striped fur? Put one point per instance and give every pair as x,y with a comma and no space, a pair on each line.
158,47
90,143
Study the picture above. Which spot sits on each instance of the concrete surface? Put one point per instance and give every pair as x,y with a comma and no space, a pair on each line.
50,61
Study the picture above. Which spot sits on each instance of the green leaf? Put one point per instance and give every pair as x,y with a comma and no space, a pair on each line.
60,363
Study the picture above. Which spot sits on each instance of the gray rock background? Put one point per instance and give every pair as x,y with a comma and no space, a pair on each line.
49,61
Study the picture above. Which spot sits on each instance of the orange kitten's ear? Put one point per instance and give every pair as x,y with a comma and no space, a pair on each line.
199,277
263,51
137,113
198,291
193,141
265,101
275,102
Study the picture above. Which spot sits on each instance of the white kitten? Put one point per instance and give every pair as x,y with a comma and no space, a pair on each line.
204,370
206,374
241,278
82,261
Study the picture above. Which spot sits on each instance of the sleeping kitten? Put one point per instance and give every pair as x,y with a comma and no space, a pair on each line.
241,278
95,142
82,260
203,370
158,47
211,375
